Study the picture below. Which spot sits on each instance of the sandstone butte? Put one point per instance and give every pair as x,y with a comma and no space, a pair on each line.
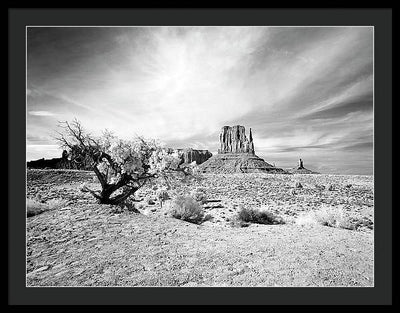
237,154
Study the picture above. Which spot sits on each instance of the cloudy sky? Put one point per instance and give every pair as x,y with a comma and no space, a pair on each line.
306,92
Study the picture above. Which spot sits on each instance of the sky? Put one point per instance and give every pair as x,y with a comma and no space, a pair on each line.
306,92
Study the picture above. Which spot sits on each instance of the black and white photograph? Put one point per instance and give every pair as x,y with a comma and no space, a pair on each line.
199,156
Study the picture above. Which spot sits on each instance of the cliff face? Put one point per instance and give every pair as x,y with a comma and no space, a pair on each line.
189,155
236,154
233,140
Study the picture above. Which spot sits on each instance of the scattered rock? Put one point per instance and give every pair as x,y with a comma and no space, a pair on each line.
118,210
43,268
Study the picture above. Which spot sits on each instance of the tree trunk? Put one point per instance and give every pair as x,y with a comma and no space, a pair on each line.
105,196
108,189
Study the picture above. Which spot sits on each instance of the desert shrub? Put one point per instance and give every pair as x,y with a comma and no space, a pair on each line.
329,217
333,217
162,195
208,217
199,195
236,222
306,219
258,216
362,222
34,207
325,216
187,209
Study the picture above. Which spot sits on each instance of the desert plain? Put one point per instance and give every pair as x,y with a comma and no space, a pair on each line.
79,242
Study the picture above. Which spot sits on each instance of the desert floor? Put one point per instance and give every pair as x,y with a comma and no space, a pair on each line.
82,243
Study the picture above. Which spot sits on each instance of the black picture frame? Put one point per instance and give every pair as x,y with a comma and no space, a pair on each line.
380,294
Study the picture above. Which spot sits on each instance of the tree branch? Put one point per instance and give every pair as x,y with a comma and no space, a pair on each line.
100,176
125,195
96,195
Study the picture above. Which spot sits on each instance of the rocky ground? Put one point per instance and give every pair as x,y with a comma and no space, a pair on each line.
82,243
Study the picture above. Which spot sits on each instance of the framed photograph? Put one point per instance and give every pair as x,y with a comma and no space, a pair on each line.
200,156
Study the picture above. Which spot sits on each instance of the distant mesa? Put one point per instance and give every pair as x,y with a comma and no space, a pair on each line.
71,160
190,155
300,169
68,160
237,154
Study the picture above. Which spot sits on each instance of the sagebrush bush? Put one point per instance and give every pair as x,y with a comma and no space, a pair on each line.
35,206
199,195
333,217
162,195
236,222
329,217
187,209
258,216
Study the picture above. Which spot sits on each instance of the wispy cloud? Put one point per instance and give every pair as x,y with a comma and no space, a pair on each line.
299,89
38,151
41,113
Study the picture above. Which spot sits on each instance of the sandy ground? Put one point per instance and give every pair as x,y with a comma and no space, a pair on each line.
87,244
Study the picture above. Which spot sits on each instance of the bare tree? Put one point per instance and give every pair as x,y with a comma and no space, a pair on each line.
122,167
